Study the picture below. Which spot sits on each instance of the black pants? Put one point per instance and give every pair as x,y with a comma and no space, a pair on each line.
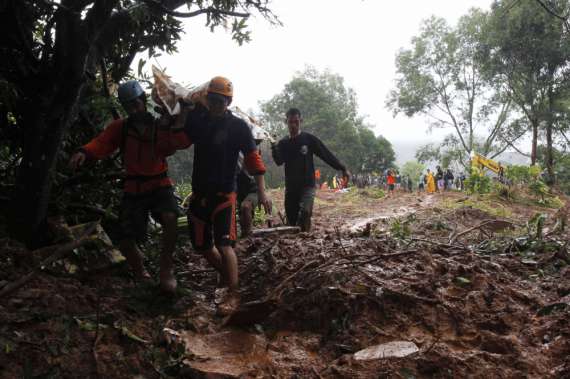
299,207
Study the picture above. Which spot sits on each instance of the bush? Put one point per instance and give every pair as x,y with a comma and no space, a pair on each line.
504,192
539,190
373,192
518,174
477,182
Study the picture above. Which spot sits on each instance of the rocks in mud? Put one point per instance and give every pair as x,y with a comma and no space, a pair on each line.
229,354
396,349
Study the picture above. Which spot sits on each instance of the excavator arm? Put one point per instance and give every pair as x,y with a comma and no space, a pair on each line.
479,161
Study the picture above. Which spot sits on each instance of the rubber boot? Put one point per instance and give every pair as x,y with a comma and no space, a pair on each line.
167,280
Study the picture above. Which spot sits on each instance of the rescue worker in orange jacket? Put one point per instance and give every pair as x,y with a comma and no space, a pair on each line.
147,189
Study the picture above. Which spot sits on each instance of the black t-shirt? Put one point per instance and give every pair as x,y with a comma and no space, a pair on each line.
217,143
297,155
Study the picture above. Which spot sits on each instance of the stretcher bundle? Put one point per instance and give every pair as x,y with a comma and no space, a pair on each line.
167,93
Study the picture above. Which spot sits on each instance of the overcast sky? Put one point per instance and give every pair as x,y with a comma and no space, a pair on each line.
356,39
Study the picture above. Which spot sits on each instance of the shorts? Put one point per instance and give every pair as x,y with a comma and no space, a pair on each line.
212,220
135,209
391,187
440,184
252,198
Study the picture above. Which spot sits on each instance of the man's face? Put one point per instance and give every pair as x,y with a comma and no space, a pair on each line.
294,124
134,106
217,104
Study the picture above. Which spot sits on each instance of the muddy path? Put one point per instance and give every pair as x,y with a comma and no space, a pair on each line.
372,272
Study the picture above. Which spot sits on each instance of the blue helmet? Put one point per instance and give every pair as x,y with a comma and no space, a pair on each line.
129,91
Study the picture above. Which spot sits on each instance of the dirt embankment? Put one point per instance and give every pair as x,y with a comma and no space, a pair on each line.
477,294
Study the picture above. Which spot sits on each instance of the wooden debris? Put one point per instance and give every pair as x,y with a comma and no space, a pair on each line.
278,231
60,253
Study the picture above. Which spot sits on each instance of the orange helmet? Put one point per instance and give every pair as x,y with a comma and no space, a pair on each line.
222,86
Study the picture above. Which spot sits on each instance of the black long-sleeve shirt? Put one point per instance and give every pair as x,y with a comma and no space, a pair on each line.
297,155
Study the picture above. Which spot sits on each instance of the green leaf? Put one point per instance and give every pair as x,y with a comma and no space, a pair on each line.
462,280
127,333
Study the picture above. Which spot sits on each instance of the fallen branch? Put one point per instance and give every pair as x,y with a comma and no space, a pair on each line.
93,209
484,223
382,256
97,335
276,293
398,293
60,253
440,243
278,230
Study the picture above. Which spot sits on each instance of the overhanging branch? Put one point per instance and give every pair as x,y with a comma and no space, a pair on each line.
195,13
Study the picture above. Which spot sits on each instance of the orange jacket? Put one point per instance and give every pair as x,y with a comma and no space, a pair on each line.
144,156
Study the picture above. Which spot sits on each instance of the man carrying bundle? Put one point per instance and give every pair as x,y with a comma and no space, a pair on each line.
147,189
219,137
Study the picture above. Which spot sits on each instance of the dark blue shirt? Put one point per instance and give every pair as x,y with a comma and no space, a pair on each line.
217,143
297,155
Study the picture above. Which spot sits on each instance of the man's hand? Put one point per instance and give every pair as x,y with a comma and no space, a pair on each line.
266,202
77,160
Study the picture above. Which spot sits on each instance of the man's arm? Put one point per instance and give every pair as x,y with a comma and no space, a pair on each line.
101,146
326,155
171,135
254,166
261,195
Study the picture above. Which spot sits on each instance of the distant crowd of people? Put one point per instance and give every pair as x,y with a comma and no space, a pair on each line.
430,181
440,180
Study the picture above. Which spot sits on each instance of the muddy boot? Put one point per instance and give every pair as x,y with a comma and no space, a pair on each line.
229,303
167,280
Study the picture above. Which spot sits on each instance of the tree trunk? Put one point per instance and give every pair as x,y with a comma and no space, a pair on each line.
45,131
533,149
549,158
48,109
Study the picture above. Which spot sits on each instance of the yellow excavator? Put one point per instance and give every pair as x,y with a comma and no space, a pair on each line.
479,161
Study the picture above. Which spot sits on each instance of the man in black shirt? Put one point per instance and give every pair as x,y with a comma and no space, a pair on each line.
296,152
219,137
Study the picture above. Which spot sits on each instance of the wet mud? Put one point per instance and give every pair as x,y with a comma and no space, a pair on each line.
403,270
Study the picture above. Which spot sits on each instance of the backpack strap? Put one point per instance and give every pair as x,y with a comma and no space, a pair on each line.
124,134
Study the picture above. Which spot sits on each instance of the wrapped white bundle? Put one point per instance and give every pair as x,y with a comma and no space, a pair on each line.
167,93
258,132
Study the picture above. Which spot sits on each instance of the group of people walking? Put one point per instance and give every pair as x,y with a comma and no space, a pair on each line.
440,181
220,139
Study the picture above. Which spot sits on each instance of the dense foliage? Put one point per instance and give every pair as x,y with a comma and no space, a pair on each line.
494,77
330,111
60,62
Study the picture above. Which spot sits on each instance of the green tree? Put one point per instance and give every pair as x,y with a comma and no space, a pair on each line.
441,78
53,51
330,111
527,53
413,170
561,166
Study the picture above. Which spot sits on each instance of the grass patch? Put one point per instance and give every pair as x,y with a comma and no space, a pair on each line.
485,203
